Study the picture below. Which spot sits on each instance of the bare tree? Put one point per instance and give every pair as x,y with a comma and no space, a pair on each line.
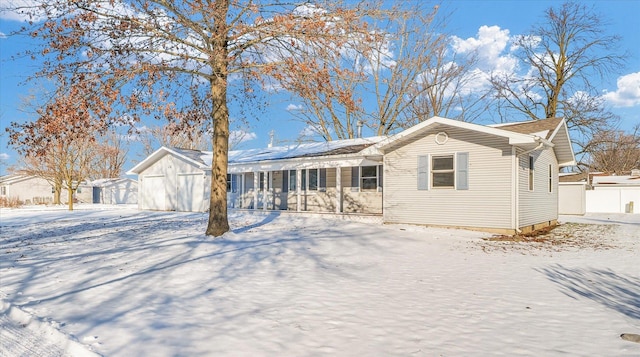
154,137
157,53
110,156
614,151
418,75
565,54
408,75
74,159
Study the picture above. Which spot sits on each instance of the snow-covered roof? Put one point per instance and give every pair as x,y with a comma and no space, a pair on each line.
203,159
105,182
550,132
15,178
329,148
193,156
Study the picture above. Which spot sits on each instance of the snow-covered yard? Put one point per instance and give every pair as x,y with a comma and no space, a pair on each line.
122,282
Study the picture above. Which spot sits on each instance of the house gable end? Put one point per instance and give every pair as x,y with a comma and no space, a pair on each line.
419,130
162,152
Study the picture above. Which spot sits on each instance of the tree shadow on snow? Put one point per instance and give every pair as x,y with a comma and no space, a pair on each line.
132,264
619,292
268,218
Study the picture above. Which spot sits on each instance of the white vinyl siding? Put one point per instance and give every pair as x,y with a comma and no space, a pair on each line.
162,194
539,205
484,200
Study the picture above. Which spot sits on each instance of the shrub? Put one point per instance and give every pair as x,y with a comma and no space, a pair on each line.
11,202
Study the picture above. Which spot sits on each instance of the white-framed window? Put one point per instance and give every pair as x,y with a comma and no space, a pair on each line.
443,174
314,180
232,183
312,177
366,178
531,172
369,177
550,178
292,180
261,183
443,171
3,190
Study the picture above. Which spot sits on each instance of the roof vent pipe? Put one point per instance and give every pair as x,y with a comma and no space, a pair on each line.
272,134
359,125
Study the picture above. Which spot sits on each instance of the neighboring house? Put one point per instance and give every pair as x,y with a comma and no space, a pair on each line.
603,182
442,172
115,191
32,190
26,189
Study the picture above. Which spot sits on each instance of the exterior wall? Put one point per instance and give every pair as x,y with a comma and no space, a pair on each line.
321,200
359,201
571,198
486,204
83,194
120,193
33,190
325,200
168,169
539,205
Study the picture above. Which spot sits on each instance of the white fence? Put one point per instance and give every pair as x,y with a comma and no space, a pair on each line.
613,200
574,198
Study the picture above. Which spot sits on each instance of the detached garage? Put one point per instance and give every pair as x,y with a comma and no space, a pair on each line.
173,179
115,191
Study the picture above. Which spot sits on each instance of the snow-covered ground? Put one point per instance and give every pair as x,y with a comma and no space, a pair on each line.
121,282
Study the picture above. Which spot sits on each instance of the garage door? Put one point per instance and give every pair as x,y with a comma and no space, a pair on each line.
153,193
190,192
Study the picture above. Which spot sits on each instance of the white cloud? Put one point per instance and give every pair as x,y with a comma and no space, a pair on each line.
490,44
3,35
293,107
4,156
21,10
628,92
241,136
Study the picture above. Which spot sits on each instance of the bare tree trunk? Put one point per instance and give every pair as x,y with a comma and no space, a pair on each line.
218,221
57,190
70,196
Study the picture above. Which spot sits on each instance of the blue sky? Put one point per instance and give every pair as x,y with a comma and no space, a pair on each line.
484,25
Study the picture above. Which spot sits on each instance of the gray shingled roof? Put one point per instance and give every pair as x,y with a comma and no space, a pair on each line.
534,126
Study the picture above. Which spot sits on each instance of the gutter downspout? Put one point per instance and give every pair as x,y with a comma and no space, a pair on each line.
517,181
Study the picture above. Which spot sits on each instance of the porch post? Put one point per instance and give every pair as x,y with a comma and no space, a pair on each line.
242,190
338,189
256,187
265,193
298,190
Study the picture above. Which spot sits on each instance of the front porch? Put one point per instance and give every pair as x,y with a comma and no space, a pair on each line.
355,189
